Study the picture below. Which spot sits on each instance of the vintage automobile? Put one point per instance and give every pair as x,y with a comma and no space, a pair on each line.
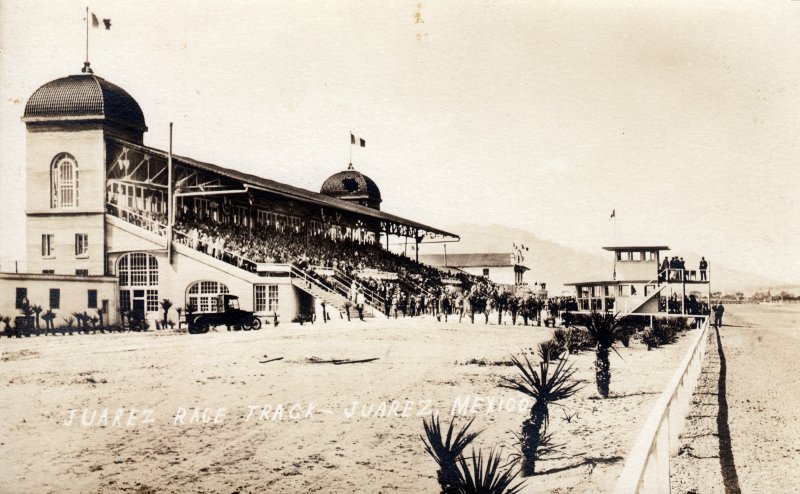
228,314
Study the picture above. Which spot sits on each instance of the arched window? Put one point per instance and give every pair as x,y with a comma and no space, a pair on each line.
138,282
64,180
203,295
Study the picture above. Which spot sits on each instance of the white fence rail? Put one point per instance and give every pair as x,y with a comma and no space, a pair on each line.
647,468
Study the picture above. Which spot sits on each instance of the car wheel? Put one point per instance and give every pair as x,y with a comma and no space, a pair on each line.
255,323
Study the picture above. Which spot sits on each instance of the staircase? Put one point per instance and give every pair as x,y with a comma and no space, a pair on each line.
332,296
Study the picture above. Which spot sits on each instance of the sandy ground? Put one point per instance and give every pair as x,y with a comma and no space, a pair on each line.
422,362
743,430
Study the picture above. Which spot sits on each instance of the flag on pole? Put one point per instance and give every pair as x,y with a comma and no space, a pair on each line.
357,141
96,22
613,214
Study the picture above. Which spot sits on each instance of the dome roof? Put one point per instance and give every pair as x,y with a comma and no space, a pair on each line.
85,95
352,185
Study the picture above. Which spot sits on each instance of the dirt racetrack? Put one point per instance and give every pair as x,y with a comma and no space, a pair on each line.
743,431
250,448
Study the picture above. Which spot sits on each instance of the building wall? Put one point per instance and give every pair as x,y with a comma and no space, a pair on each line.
637,270
499,274
88,149
73,294
189,266
63,228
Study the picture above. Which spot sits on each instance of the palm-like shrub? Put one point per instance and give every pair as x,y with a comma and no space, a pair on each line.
545,385
446,451
550,350
48,317
629,326
37,309
487,477
165,305
603,329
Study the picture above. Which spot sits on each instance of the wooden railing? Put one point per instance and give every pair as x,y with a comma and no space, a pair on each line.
137,218
647,468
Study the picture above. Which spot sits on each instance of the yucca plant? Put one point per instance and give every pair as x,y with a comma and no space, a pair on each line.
487,477
604,330
550,350
628,327
446,451
545,386
562,337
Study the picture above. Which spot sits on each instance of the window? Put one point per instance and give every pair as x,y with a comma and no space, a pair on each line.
82,272
261,298
633,290
55,298
486,271
138,269
619,256
152,301
92,303
22,295
203,295
81,244
64,181
623,290
273,298
636,256
48,245
651,255
48,271
266,298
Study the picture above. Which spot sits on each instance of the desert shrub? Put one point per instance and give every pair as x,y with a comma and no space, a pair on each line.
629,326
478,477
604,329
561,337
550,350
447,450
579,340
650,339
664,331
545,385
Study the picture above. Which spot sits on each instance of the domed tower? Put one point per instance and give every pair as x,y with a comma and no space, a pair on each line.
351,185
67,121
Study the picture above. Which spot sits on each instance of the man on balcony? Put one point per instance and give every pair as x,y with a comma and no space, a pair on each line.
703,269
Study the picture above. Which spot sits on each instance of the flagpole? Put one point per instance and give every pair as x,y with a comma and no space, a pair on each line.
351,149
170,200
87,34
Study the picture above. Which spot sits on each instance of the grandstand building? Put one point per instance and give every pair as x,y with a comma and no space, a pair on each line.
115,224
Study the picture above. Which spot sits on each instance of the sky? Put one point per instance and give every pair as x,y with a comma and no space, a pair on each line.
682,117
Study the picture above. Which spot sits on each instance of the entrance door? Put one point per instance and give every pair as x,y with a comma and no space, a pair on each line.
137,303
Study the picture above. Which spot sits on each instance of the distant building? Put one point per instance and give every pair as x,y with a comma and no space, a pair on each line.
644,282
499,268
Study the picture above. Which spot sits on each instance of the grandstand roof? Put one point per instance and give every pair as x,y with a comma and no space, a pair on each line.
288,191
470,260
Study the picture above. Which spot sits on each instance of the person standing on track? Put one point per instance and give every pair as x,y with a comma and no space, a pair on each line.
719,310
